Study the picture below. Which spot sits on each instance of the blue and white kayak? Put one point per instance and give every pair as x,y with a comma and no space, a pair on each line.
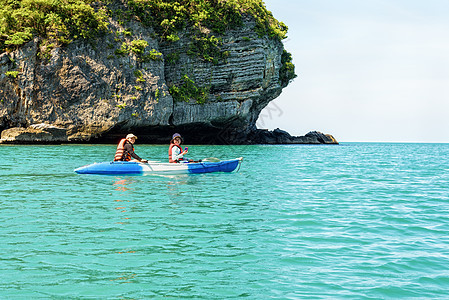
137,168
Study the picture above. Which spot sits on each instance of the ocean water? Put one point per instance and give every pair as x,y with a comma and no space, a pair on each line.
349,221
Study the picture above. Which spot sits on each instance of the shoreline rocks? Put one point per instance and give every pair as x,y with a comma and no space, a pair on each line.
278,136
35,134
48,134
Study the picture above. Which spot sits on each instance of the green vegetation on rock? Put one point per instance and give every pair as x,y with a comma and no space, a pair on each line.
189,90
53,20
12,74
206,20
135,46
59,22
138,47
287,71
65,20
169,17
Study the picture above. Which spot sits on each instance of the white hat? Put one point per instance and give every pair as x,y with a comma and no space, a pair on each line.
130,136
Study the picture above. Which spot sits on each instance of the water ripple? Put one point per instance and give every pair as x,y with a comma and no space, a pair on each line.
351,221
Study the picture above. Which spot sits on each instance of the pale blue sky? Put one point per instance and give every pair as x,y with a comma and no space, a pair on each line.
368,70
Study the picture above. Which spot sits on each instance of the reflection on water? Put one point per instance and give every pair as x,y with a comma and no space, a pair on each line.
121,185
125,278
180,185
125,187
174,184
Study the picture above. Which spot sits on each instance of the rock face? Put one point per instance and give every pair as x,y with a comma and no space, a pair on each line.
84,88
90,92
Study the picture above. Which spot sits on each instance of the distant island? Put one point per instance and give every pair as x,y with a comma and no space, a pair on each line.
82,71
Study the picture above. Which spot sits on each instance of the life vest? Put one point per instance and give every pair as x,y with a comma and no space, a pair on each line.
170,153
120,153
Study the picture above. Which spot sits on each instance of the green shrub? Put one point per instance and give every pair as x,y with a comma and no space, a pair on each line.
139,76
12,74
138,46
207,47
173,57
152,55
172,38
287,71
54,20
189,90
206,20
18,38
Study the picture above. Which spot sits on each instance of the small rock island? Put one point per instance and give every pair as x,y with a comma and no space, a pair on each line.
94,71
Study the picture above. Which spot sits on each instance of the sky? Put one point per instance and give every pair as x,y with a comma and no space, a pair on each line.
368,70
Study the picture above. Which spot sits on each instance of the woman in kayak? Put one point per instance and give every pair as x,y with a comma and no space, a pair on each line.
175,152
125,150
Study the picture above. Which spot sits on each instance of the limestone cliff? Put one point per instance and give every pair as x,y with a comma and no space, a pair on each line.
129,79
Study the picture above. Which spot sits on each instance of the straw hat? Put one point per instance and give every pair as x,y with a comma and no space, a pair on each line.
130,136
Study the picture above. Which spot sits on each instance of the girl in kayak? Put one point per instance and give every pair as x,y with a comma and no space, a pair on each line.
175,152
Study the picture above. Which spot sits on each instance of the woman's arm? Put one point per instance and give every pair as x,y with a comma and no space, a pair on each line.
130,150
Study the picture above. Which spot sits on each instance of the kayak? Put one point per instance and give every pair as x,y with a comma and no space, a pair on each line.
138,168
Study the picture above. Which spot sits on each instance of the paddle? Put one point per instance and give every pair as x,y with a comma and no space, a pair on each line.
211,159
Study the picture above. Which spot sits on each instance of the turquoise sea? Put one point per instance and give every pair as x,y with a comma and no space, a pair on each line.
348,221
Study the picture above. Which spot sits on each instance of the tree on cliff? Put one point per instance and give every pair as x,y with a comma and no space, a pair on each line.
58,22
52,20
